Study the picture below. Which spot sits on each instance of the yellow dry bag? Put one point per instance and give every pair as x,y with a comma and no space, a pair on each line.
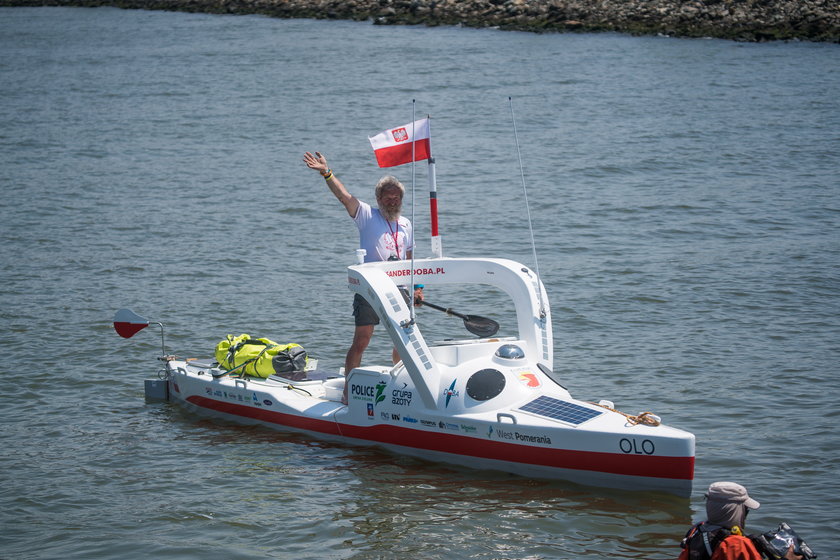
259,357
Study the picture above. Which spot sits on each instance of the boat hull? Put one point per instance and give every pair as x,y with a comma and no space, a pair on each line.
610,454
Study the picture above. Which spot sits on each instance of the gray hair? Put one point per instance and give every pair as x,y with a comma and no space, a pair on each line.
386,182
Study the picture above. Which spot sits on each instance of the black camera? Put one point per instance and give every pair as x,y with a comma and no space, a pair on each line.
775,544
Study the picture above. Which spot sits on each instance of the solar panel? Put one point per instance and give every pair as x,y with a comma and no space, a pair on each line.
560,410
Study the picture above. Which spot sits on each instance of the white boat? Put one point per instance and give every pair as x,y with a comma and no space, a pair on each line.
487,403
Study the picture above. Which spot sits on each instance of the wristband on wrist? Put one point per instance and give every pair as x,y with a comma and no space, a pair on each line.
328,176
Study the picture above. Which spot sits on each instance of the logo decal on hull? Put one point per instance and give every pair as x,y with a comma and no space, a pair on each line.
451,392
380,392
528,379
401,397
518,436
363,392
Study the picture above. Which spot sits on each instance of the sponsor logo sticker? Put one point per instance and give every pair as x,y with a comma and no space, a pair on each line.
417,271
401,397
513,435
362,392
380,392
528,379
451,392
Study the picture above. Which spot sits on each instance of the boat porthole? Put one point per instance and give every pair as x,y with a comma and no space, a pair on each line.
485,384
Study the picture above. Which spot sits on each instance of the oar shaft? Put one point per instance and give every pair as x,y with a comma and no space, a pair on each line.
444,309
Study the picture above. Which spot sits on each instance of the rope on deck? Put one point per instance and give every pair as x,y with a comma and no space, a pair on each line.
646,418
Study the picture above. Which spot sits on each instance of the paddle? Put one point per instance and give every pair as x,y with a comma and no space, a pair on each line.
479,326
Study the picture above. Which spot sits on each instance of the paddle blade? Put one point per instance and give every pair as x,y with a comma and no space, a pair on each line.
481,326
127,323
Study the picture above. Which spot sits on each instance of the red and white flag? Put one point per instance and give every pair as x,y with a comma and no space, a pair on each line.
127,323
394,147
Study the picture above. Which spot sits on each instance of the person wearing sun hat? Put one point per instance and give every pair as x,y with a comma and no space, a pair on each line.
727,505
721,536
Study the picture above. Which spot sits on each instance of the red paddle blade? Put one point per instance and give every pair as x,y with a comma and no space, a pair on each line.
127,323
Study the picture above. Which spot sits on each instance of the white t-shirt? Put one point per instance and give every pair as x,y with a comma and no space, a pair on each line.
380,238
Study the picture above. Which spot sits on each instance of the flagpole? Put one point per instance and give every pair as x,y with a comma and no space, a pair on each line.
437,248
413,245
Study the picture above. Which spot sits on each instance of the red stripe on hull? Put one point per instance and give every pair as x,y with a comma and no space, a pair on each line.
677,468
270,416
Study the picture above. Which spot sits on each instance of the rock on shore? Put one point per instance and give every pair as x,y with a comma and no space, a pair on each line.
746,20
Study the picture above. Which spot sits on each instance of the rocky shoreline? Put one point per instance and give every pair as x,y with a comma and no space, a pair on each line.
741,20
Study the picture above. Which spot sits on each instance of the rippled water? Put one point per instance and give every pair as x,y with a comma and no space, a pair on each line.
685,201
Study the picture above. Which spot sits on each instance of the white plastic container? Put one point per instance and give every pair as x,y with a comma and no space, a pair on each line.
334,389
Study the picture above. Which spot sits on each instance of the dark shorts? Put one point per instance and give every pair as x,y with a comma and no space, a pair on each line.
363,312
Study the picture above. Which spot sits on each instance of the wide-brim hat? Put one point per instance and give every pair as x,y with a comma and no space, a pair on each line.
730,492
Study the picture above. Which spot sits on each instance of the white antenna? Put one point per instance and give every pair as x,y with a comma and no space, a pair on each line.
528,208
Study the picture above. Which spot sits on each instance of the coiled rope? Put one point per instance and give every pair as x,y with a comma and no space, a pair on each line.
646,418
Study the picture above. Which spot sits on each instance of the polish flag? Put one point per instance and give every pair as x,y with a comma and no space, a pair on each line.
127,323
394,147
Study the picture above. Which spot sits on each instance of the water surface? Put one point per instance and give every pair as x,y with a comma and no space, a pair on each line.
685,205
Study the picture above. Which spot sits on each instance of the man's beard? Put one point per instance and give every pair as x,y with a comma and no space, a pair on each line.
390,213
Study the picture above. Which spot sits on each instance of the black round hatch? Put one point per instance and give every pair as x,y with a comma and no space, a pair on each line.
485,384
